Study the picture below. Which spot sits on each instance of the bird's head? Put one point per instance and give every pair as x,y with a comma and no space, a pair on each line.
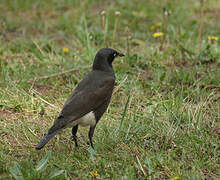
104,58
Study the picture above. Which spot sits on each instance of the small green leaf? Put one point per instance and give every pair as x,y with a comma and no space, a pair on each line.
43,161
16,172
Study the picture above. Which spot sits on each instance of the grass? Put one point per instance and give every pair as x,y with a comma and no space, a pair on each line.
168,127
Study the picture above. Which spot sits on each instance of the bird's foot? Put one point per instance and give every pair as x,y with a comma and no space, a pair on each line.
74,138
88,143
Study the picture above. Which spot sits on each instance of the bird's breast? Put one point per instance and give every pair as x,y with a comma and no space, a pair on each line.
86,120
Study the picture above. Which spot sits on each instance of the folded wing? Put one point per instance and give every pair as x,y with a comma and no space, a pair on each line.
87,97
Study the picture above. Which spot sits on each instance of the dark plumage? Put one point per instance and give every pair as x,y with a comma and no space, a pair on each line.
89,100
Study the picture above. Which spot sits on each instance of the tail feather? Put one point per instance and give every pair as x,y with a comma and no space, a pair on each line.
45,140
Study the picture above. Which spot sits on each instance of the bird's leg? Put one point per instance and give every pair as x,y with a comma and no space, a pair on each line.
74,137
91,132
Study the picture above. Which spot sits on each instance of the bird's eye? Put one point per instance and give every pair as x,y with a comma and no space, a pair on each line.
115,54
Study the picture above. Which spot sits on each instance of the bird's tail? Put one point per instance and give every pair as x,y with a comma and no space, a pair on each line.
45,140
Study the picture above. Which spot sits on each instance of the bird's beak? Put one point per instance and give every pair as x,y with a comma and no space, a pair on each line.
120,54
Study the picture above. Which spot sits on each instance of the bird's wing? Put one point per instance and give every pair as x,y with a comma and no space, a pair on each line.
88,96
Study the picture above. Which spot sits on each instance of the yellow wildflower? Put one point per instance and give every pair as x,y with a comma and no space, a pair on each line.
156,26
158,34
94,174
65,50
213,38
175,178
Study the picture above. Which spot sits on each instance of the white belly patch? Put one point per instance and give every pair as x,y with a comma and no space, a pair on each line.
86,120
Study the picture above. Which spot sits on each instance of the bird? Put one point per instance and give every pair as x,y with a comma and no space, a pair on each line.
88,101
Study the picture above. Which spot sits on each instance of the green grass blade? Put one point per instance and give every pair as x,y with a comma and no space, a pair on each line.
56,173
43,161
123,116
16,172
